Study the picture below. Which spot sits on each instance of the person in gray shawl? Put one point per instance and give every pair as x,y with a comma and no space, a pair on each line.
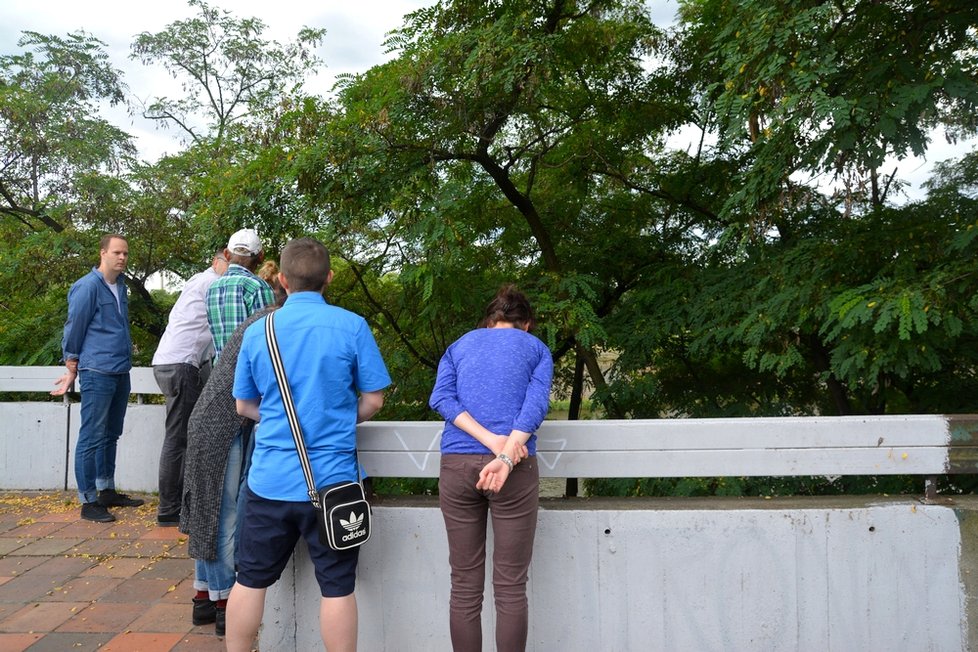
211,431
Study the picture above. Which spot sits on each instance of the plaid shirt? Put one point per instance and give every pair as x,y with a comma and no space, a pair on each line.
231,299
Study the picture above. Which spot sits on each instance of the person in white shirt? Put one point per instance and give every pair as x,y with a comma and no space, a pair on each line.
181,365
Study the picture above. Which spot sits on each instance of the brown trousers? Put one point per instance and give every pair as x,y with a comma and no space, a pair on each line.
514,523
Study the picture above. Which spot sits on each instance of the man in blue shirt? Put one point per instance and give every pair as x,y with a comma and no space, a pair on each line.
97,349
337,378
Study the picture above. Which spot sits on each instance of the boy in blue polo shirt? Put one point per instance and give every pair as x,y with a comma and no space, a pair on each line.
337,378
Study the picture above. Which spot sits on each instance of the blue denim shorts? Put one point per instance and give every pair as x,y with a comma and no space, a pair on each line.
268,533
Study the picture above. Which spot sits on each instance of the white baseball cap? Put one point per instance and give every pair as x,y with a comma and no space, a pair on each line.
245,241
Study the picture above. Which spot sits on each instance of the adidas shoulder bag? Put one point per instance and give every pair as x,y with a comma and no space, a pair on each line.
345,516
342,508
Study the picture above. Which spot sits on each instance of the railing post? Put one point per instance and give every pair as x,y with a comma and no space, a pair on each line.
67,403
570,488
930,488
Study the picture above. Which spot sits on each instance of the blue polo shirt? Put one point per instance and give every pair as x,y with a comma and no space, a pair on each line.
97,330
329,356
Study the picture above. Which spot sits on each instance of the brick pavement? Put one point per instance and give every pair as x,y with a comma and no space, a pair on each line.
67,584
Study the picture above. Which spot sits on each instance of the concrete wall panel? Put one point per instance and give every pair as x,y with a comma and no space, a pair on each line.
32,445
799,576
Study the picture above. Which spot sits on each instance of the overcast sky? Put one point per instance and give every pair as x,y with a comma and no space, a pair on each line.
355,34
353,43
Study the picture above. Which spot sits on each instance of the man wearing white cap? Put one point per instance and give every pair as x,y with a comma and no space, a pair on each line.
231,299
239,293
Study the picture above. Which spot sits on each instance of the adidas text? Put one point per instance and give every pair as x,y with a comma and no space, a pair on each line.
354,535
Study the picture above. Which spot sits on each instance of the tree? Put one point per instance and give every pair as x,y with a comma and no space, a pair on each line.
832,86
57,156
236,84
470,159
846,294
228,72
51,135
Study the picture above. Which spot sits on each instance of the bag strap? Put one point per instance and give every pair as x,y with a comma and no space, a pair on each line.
292,414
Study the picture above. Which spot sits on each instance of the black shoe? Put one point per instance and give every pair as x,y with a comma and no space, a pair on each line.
96,512
112,498
204,611
170,520
220,621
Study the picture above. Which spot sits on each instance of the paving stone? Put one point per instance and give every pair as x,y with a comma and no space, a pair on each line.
139,590
73,641
200,643
8,608
65,567
162,617
35,530
183,593
99,548
7,546
172,569
83,529
17,642
41,616
118,567
83,588
144,642
103,617
71,514
178,552
163,549
67,584
163,534
146,549
125,530
26,588
8,522
46,547
13,566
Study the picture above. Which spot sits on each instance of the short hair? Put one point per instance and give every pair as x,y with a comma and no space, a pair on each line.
509,305
305,265
248,261
107,239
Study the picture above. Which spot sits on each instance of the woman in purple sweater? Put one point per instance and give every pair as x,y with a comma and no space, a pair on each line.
493,389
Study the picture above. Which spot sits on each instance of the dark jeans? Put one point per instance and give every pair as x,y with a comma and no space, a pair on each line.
181,385
104,398
514,521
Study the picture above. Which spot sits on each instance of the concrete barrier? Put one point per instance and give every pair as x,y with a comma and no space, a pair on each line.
694,575
836,574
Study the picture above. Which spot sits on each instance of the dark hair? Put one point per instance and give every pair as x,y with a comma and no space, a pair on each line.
103,244
509,305
248,261
305,264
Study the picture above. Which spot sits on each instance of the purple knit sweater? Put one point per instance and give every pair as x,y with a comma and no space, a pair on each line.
501,376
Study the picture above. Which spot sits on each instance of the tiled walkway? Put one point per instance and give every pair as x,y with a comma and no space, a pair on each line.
67,584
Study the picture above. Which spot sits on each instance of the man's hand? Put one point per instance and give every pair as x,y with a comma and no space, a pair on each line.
64,383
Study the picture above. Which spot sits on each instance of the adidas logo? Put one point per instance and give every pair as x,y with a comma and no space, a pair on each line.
354,522
353,527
